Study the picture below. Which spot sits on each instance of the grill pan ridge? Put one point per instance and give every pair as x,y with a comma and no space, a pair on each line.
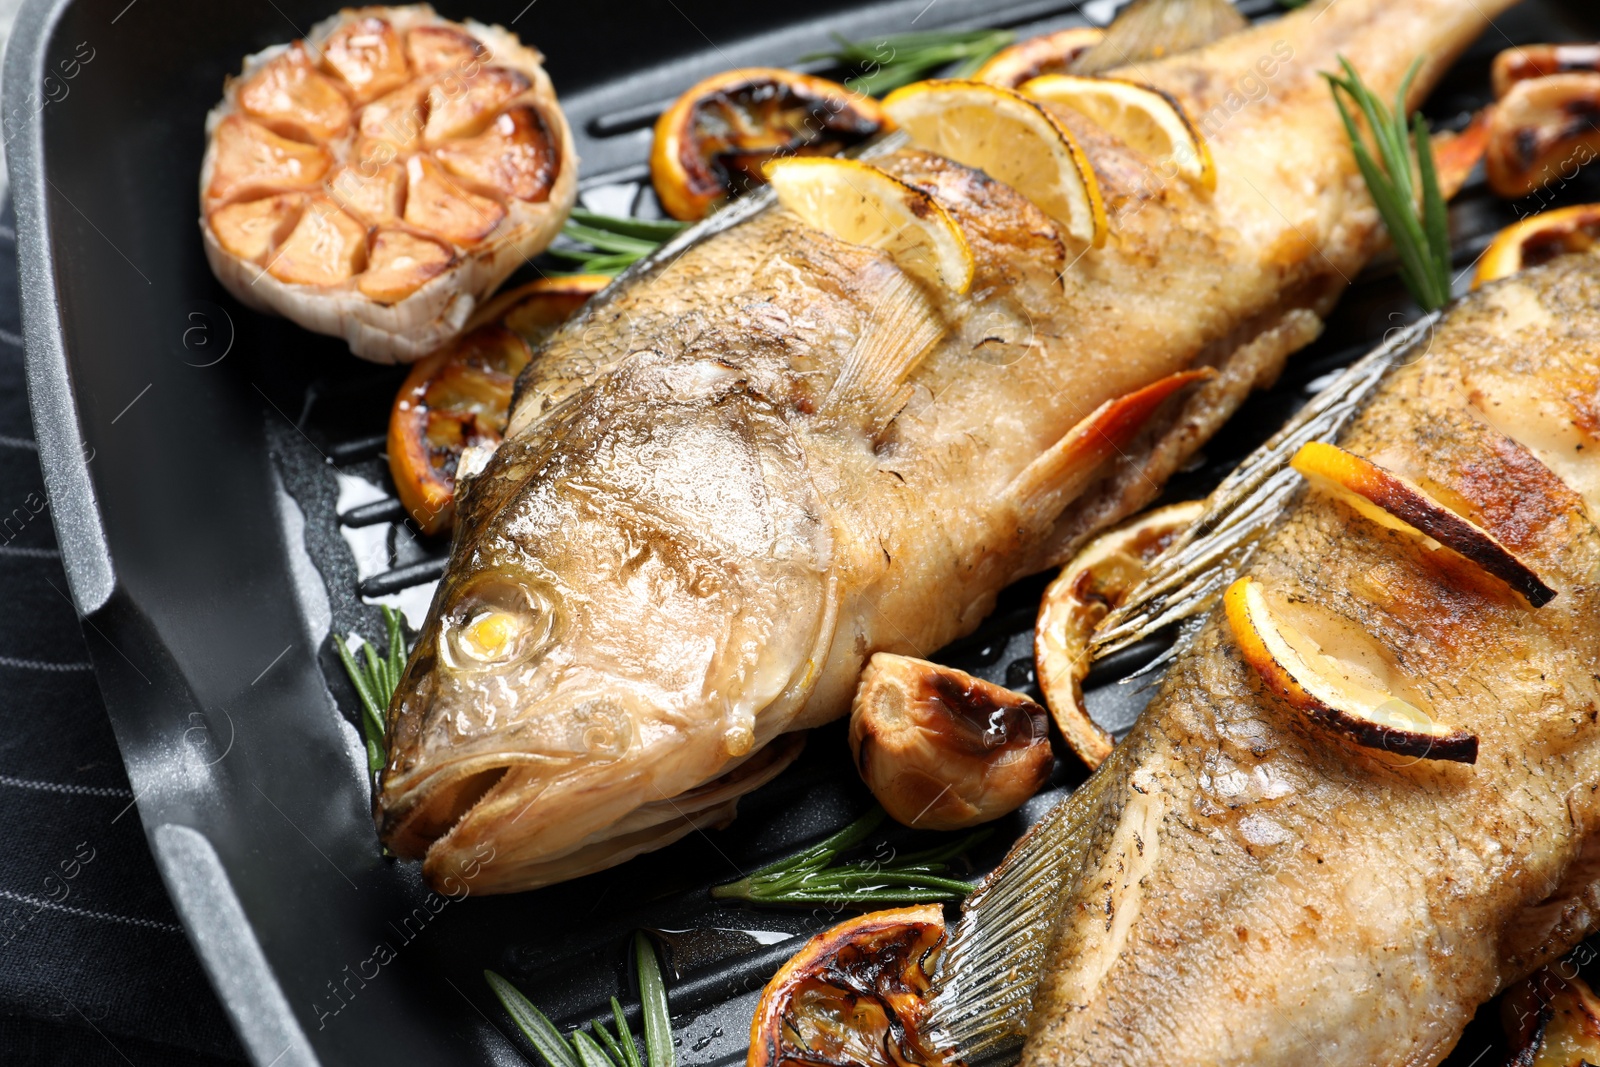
220,495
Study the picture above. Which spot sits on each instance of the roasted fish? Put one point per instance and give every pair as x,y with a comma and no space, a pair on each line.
768,454
1245,883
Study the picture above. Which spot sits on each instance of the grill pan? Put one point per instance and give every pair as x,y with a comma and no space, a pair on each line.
223,508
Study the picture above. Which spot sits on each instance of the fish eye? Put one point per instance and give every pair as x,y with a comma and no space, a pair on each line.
496,624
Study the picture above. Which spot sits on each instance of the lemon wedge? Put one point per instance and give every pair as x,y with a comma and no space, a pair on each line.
1147,120
861,205
1335,691
1012,139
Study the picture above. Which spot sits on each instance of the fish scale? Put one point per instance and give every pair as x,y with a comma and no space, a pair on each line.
901,525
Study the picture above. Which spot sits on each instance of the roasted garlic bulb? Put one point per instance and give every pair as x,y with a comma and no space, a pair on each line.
379,178
941,749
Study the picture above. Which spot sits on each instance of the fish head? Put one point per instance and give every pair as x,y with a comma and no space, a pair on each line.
639,598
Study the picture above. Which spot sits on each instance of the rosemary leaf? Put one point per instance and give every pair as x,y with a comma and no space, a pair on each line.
610,244
539,1030
886,63
653,999
1420,232
374,681
599,1047
597,1027
590,1054
606,240
653,230
816,876
895,897
630,1051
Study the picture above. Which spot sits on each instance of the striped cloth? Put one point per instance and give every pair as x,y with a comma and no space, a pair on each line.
94,968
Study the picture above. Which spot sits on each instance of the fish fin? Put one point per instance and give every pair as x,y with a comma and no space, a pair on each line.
1155,29
1056,478
1456,154
900,327
1190,575
982,990
1252,365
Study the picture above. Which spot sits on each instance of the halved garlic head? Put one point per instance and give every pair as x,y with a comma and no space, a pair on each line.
1096,581
942,750
380,178
1394,501
1342,684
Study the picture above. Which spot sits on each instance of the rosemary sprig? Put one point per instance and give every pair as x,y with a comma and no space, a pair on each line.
599,1047
374,681
814,877
887,63
611,244
1421,235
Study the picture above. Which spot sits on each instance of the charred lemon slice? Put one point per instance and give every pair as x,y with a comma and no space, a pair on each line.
712,142
1337,690
862,205
1089,588
1147,120
378,179
460,396
1395,501
1010,138
1539,239
855,994
1051,54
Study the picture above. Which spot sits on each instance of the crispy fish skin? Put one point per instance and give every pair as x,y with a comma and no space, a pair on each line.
717,540
1359,906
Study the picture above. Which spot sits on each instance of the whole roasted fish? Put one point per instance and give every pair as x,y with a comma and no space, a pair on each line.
770,454
1241,884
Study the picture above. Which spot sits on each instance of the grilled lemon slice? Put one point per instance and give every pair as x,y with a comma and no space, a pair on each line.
1012,139
862,205
1148,121
460,396
1333,689
1051,54
1539,239
711,143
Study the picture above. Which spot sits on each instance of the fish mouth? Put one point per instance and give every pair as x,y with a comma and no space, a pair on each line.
440,806
464,823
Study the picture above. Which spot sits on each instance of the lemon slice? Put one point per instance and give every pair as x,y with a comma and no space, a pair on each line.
1539,239
1334,690
862,205
1096,581
1397,502
1148,121
1010,138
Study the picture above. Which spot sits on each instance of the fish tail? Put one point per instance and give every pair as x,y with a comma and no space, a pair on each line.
982,991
